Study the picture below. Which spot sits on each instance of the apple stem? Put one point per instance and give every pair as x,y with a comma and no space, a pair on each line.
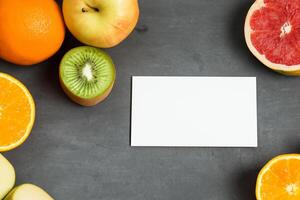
88,8
141,28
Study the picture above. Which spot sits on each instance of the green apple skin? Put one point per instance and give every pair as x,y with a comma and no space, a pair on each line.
7,176
101,23
28,191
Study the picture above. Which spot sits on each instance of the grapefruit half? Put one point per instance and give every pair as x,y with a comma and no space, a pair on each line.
272,33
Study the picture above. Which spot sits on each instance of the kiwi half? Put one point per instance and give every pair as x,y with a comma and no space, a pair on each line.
87,75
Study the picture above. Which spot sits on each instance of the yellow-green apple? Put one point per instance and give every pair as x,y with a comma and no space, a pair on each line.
28,192
7,176
101,23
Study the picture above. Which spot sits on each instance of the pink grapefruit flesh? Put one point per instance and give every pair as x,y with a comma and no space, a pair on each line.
272,32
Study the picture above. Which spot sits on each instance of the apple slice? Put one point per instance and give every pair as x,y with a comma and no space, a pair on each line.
28,192
7,176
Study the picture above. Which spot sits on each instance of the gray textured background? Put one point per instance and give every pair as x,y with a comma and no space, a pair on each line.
83,153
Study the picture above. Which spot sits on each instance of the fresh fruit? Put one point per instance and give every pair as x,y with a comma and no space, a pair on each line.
280,179
7,176
28,192
272,34
87,75
31,30
17,112
101,23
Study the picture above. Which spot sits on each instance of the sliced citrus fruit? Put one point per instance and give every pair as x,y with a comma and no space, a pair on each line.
279,179
17,112
272,34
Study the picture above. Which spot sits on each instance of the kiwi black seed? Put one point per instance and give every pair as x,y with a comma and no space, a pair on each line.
87,75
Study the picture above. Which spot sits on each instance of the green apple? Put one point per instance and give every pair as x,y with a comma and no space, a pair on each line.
101,23
7,176
28,192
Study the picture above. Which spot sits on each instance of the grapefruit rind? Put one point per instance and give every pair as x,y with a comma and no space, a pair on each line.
32,114
292,70
267,167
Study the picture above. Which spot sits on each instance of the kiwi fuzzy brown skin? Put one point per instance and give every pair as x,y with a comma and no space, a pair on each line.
85,52
82,101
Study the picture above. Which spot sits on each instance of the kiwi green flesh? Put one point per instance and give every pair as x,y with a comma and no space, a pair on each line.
87,72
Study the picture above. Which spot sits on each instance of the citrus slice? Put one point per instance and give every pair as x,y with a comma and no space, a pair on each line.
17,112
279,179
272,34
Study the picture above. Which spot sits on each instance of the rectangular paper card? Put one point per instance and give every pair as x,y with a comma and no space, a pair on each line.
194,111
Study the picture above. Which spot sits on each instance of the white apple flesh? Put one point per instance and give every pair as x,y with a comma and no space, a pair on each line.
101,23
7,176
28,192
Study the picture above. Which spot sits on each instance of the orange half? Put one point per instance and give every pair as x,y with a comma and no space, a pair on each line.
279,179
17,112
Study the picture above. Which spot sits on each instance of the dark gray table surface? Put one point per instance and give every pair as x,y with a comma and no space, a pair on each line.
80,153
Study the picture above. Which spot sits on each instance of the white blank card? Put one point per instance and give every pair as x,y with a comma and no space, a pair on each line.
194,111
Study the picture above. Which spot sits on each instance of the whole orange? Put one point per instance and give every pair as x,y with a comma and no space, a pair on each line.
30,30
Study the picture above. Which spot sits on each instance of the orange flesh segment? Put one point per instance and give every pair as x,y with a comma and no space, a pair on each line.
281,180
15,112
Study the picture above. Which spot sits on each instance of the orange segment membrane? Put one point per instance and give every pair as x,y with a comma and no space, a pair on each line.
276,31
